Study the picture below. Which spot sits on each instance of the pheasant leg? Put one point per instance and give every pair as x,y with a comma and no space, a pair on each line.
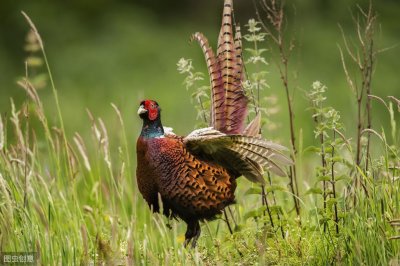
192,233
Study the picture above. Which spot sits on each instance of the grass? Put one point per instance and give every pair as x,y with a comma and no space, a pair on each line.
73,199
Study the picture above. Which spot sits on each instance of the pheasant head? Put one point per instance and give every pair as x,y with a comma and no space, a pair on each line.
150,112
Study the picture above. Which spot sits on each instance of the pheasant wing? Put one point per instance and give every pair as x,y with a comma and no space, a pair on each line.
242,155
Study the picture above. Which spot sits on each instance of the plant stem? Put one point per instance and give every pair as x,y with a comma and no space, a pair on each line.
227,222
275,16
265,202
202,109
368,101
333,182
323,162
277,214
26,112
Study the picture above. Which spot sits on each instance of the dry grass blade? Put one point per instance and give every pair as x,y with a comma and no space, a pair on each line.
370,130
27,86
17,127
95,130
5,194
130,247
346,72
349,52
118,113
32,92
379,99
82,150
105,143
396,101
42,216
85,244
39,39
73,160
1,133
33,27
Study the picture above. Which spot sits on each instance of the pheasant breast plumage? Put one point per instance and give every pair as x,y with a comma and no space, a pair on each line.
195,176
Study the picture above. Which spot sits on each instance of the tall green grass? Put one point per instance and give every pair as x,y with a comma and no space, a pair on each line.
74,200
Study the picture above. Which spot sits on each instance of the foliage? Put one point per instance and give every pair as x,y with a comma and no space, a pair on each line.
256,81
200,94
74,200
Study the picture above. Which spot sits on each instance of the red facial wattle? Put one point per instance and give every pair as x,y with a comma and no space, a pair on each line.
152,109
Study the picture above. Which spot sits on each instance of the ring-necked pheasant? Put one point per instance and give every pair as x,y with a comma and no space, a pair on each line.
195,175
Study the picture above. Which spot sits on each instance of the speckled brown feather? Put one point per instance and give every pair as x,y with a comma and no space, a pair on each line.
190,187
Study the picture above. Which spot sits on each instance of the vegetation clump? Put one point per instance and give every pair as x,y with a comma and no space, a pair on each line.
74,199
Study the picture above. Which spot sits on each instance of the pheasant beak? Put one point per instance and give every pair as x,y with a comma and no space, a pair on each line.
141,110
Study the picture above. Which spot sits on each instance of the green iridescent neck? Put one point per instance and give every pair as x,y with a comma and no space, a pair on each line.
152,129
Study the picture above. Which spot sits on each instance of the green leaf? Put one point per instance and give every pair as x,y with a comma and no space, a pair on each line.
251,51
239,228
312,149
40,80
34,61
331,201
324,178
324,220
338,141
255,213
253,191
275,188
314,190
337,159
343,177
276,209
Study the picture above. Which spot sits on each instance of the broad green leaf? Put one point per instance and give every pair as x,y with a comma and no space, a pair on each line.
312,149
255,213
275,188
314,190
253,191
276,209
324,178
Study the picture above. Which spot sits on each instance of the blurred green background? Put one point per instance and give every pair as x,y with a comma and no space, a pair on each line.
103,51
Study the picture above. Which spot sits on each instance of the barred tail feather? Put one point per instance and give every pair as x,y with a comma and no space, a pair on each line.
228,102
256,151
239,73
229,58
253,129
217,90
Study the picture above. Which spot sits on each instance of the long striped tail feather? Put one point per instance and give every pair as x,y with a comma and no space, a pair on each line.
229,102
217,89
229,56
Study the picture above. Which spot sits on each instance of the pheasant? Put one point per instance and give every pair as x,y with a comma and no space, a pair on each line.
194,177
